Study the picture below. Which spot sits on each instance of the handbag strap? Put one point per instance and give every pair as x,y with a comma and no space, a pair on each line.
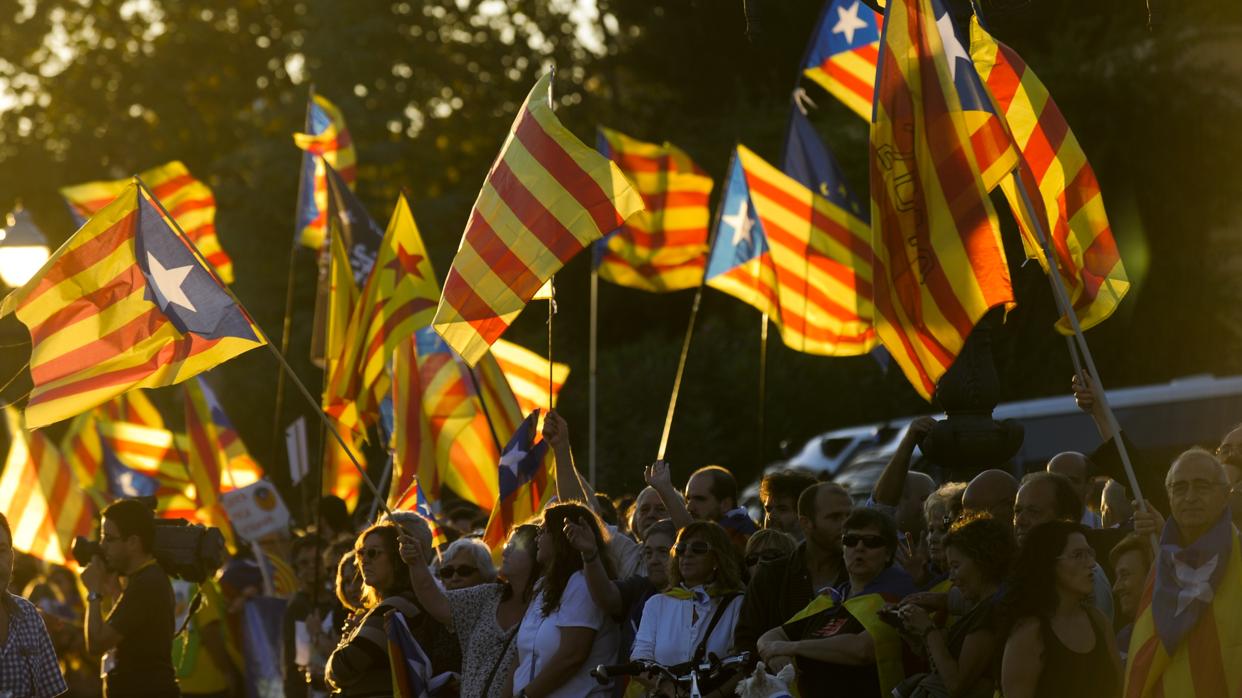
491,676
701,650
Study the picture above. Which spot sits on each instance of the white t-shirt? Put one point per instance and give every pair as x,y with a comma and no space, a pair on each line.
539,638
672,628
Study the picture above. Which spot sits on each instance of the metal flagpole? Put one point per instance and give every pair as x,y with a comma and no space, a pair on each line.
280,358
763,384
1079,341
592,370
551,312
287,328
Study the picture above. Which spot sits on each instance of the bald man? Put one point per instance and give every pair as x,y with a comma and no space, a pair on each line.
992,491
1077,468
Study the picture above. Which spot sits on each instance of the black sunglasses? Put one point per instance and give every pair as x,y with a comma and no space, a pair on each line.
460,571
368,553
763,556
873,542
696,547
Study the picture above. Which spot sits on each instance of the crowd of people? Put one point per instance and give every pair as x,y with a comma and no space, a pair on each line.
1050,585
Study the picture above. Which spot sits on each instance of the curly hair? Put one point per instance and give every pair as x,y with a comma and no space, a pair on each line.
986,541
1032,585
728,566
566,560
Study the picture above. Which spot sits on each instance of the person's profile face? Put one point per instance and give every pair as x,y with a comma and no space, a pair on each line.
648,509
700,501
781,513
377,567
1130,573
1075,566
113,544
964,572
1035,504
832,508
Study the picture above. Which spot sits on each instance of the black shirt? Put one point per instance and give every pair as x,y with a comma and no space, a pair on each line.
845,679
144,617
779,589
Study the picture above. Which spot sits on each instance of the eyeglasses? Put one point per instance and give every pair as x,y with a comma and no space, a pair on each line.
872,542
1181,488
694,547
368,553
763,556
1080,555
459,571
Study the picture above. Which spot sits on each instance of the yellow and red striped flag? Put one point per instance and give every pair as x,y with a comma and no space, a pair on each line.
663,248
190,202
327,140
939,261
133,407
83,451
45,505
796,256
144,461
527,374
546,197
843,51
399,297
1055,166
527,482
342,299
123,304
215,454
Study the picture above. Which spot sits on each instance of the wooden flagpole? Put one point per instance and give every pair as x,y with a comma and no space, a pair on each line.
592,371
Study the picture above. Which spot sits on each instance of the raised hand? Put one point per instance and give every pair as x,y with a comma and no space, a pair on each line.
580,537
658,475
411,550
555,430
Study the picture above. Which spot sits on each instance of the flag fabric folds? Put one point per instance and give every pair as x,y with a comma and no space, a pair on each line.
527,374
808,160
123,304
526,482
133,407
546,197
399,297
796,256
1059,178
842,55
189,201
663,248
326,144
146,462
44,504
216,457
939,261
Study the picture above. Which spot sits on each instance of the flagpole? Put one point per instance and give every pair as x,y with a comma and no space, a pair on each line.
763,383
384,477
1080,342
286,330
551,312
280,358
694,312
478,390
592,370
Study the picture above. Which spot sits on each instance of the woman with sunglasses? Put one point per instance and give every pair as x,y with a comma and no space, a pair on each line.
1059,645
465,563
697,614
359,667
839,639
565,633
484,617
766,545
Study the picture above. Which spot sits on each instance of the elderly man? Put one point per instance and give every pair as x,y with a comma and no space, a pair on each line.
1187,636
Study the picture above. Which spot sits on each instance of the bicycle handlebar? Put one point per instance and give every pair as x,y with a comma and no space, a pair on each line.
710,667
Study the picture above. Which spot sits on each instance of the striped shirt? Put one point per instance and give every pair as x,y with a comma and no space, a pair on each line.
28,665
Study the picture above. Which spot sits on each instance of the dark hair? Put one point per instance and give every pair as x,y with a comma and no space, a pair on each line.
346,565
807,504
1131,543
525,536
1032,589
566,560
1069,505
785,484
334,512
133,518
388,533
606,510
662,527
728,566
724,485
986,541
865,517
4,524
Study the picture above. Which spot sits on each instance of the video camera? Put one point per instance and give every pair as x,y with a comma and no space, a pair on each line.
184,550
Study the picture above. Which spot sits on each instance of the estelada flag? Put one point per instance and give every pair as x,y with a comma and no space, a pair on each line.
663,248
526,482
939,261
1053,165
546,197
796,256
190,202
326,144
842,54
123,304
528,375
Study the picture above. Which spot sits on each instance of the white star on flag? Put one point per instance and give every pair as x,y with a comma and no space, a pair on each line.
513,459
168,283
848,22
739,222
1194,583
952,47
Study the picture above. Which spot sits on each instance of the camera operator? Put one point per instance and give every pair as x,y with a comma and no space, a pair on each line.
136,637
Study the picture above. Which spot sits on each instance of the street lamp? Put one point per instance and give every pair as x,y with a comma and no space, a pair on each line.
23,249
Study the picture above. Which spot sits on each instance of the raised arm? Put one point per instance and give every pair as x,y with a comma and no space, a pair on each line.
569,483
604,591
429,594
100,636
661,479
892,480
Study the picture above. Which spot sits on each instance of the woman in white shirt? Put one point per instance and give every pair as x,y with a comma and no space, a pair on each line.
564,634
697,614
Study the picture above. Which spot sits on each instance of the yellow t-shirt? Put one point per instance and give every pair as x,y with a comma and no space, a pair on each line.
197,671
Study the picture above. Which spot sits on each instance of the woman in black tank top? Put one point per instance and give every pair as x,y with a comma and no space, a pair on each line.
1058,647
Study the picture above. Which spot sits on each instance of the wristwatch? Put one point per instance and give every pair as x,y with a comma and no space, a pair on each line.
94,596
